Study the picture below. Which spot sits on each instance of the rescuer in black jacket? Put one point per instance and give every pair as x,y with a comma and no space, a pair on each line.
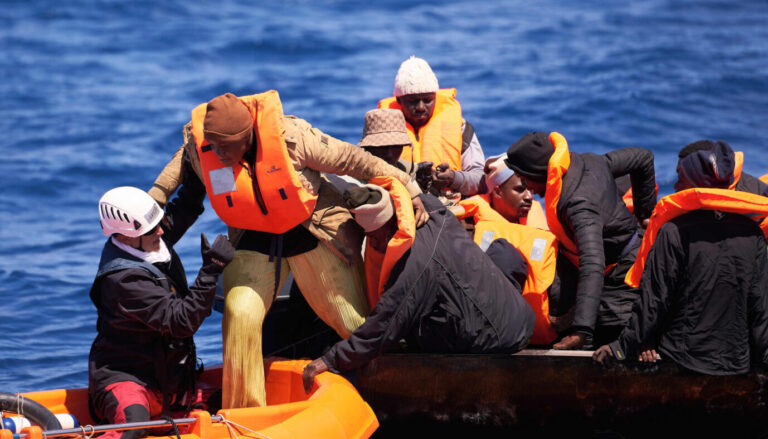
444,295
703,298
143,358
596,219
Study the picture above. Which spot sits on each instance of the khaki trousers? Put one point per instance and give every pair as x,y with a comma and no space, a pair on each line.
334,290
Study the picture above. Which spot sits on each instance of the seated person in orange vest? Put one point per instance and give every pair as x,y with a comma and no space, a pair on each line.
431,286
538,247
594,229
262,171
439,135
742,181
509,196
703,275
142,363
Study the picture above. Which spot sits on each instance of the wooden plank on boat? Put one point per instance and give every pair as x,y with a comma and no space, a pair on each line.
541,387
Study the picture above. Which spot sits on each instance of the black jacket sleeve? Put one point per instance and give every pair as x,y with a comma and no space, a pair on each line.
657,287
140,301
185,207
390,320
587,225
638,163
757,306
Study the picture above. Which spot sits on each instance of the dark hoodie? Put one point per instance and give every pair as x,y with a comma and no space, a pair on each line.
703,303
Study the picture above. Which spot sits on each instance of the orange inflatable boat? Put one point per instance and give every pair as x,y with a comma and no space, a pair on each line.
333,409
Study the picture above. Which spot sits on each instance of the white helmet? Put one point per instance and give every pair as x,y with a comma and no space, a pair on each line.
128,211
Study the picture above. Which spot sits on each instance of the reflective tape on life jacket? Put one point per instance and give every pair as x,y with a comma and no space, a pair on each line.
672,206
738,165
234,190
439,141
538,247
378,266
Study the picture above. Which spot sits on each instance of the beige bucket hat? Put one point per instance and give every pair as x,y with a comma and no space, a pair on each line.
384,127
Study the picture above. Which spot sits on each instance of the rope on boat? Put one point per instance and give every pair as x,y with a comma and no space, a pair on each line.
87,435
232,431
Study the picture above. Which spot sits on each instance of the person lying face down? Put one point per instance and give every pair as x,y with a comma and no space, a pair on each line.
703,301
441,264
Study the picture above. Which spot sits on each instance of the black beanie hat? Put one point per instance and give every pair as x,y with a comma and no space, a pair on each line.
708,168
530,155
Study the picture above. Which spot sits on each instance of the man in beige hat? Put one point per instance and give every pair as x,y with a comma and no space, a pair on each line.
261,171
385,135
439,134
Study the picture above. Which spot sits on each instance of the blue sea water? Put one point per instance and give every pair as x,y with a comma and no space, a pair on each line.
94,95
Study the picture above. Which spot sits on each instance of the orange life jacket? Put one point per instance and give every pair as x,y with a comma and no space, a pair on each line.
679,203
233,191
439,141
378,266
538,247
556,169
764,178
737,167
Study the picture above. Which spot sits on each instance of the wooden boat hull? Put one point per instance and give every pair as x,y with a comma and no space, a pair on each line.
559,392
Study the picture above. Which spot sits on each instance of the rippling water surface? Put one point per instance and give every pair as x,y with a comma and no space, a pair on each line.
94,95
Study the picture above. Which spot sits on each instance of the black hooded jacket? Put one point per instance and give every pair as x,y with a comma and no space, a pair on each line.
703,292
444,295
595,217
703,295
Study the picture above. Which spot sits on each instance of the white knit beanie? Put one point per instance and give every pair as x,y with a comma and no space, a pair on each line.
414,77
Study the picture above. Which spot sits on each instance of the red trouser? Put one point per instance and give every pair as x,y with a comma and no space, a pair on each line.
126,401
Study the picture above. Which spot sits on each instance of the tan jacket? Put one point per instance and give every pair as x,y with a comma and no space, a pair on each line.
311,152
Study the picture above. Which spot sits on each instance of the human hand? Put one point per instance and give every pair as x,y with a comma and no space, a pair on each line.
573,341
424,176
644,223
648,355
311,370
603,354
419,211
443,176
218,255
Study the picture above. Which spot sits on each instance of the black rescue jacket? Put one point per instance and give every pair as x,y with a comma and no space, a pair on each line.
444,295
593,214
703,303
147,315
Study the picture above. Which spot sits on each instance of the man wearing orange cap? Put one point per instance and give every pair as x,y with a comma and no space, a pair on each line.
261,171
439,134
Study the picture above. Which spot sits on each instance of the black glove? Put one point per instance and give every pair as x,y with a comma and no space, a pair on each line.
216,257
424,176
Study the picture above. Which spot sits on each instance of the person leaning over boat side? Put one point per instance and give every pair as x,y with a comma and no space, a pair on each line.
595,230
262,174
438,132
742,181
143,362
431,286
703,285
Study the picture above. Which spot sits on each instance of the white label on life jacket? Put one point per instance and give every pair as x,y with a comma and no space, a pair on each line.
222,180
537,249
486,240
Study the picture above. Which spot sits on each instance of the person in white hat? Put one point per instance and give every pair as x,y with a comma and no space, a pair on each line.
142,363
439,134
